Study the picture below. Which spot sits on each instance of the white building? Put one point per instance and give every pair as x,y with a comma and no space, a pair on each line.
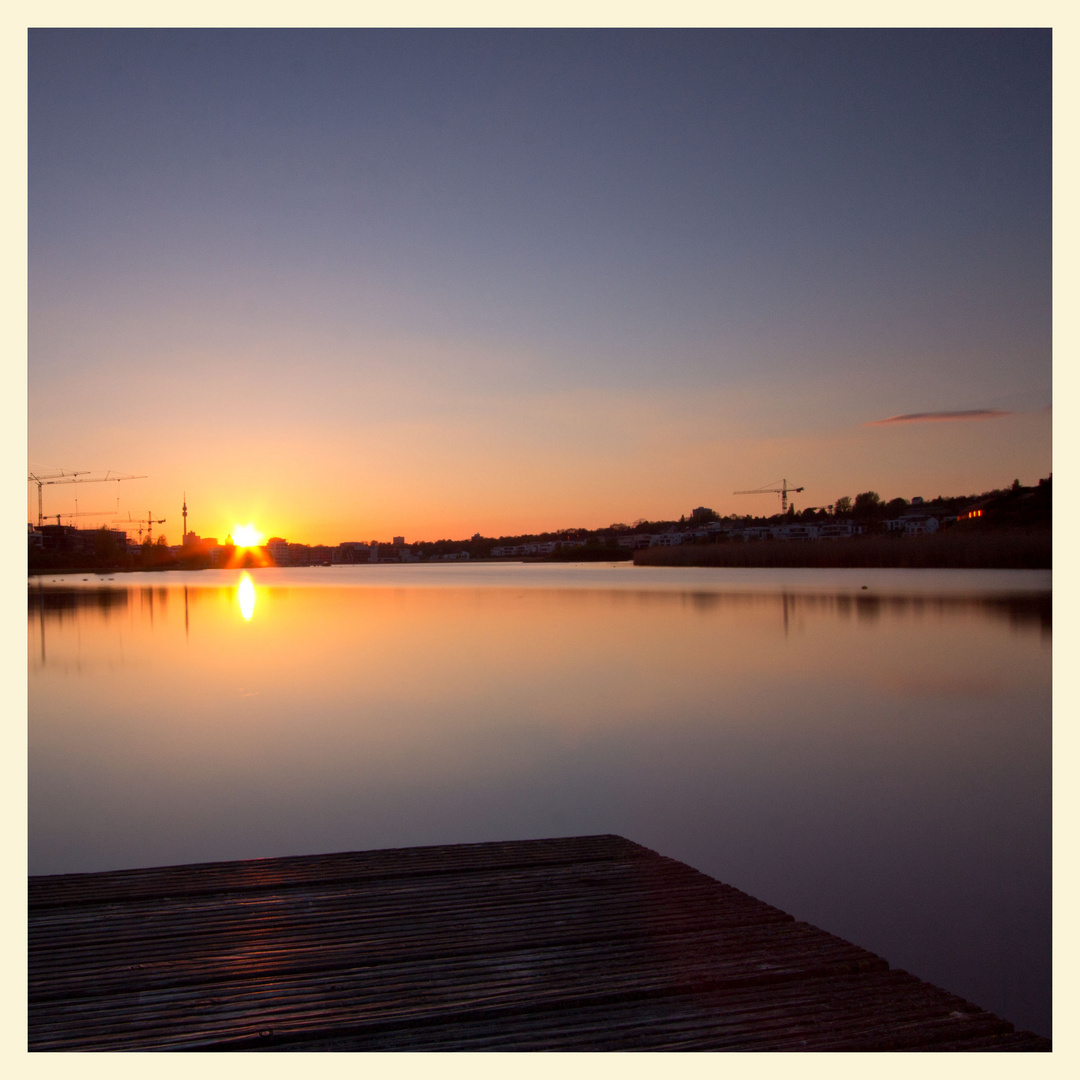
668,539
913,524
795,532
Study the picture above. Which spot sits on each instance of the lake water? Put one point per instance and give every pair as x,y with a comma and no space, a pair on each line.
875,761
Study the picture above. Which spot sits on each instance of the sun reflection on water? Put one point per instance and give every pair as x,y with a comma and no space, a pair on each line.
245,595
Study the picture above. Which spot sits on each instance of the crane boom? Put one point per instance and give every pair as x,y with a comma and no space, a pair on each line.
782,491
83,513
76,477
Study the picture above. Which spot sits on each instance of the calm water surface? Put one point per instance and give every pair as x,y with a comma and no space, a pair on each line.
876,761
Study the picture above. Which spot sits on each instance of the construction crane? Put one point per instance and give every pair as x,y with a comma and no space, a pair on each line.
138,523
87,513
83,513
78,477
771,489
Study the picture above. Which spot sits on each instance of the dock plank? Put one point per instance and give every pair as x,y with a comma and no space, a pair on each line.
567,944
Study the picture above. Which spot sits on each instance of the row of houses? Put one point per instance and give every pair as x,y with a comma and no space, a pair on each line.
285,554
908,525
75,541
749,532
282,553
674,537
547,547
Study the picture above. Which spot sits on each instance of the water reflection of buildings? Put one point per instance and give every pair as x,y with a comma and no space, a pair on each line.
55,604
1020,609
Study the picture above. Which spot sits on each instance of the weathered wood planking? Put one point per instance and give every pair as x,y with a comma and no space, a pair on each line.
586,943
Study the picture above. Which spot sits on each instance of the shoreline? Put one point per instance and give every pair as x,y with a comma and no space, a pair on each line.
997,550
984,550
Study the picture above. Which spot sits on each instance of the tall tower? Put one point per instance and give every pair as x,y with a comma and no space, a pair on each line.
183,539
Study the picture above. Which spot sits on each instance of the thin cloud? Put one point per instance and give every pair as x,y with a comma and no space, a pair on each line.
939,417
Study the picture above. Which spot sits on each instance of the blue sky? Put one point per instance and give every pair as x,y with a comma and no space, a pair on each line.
374,282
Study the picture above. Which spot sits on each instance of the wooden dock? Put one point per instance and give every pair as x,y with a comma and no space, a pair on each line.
587,943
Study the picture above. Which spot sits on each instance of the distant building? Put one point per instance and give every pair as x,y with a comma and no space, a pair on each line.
75,541
795,532
975,510
299,555
546,548
399,541
201,545
352,551
837,529
278,550
912,524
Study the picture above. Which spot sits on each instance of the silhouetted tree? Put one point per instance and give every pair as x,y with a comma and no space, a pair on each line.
843,505
866,503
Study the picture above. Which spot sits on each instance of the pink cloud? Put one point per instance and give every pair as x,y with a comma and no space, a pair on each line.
937,417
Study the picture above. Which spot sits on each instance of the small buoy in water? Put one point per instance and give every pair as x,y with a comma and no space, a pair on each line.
865,586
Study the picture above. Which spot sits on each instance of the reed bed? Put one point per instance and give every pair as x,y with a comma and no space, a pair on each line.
996,550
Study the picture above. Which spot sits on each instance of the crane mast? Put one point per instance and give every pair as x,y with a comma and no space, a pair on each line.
150,521
782,491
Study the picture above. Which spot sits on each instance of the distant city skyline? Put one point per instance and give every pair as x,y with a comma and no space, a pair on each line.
351,284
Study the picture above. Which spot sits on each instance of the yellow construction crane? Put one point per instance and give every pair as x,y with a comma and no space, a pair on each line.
77,477
771,489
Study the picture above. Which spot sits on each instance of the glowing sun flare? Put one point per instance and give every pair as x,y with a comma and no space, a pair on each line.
246,536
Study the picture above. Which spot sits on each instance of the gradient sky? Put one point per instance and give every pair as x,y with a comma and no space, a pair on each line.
351,284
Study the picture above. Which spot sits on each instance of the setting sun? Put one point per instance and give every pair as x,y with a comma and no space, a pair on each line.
246,536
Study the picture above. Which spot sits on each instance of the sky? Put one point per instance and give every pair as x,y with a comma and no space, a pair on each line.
347,285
